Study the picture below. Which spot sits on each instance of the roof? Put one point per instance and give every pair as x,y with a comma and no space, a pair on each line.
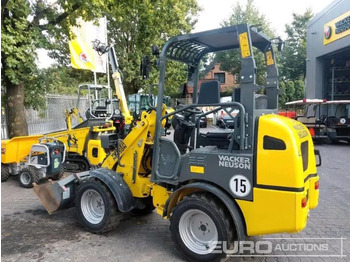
317,101
323,12
337,102
306,102
190,48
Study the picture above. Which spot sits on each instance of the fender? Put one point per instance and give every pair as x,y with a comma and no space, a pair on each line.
229,203
118,187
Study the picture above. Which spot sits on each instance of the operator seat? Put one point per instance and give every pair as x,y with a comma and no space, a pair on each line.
184,127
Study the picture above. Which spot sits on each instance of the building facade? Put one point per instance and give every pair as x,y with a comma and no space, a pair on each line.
328,53
227,80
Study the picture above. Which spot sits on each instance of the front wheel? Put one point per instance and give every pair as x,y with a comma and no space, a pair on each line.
96,207
201,228
28,176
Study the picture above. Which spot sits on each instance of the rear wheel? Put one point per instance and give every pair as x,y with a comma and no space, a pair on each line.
5,173
197,224
96,207
28,176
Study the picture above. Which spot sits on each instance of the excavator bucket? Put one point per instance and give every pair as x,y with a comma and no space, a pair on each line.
54,196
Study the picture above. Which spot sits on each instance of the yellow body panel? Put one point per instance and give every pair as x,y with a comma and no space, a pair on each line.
131,150
273,211
280,167
281,181
313,193
95,152
160,196
15,149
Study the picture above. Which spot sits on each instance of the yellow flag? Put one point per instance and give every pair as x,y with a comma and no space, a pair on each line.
82,55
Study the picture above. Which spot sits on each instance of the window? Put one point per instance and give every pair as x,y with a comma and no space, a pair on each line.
272,143
220,77
305,154
95,152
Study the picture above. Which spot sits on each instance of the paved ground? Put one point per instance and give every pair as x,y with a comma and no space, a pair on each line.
28,233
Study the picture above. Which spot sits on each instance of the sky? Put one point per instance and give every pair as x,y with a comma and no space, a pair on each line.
277,12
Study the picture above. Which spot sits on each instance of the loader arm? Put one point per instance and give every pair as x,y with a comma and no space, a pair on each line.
102,49
119,89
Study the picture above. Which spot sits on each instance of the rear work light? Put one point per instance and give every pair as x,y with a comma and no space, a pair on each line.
317,185
304,202
312,131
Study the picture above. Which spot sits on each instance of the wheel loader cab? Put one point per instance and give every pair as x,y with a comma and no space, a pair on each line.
263,172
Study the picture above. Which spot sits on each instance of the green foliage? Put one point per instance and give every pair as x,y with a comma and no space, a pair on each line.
26,26
230,60
294,55
292,66
63,80
299,89
134,26
17,47
282,98
148,23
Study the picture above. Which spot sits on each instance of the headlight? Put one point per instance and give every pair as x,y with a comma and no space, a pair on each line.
117,112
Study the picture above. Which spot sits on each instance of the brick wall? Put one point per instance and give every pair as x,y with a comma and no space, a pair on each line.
230,80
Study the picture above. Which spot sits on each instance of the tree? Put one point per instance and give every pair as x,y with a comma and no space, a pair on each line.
231,60
149,23
292,60
294,56
134,26
27,25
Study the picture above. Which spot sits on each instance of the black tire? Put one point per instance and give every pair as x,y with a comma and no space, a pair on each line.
147,207
28,176
59,175
203,206
101,218
327,140
5,173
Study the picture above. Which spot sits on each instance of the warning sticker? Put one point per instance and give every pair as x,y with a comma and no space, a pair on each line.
269,59
197,169
244,43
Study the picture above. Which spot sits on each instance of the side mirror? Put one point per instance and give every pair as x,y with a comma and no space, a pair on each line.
280,46
144,67
155,50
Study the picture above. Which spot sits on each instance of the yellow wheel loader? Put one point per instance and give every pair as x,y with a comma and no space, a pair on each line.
259,178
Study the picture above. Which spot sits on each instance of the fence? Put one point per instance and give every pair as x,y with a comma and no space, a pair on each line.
50,119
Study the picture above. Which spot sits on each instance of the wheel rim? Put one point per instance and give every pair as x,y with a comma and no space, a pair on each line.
92,206
25,178
198,231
